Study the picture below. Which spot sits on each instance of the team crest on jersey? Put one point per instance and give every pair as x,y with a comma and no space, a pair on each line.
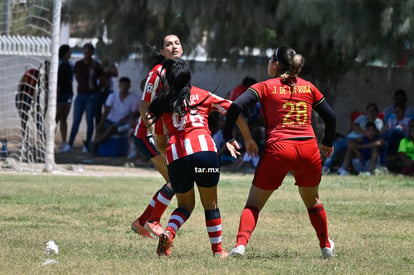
149,88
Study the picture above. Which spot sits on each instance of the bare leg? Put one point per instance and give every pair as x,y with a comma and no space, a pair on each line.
161,165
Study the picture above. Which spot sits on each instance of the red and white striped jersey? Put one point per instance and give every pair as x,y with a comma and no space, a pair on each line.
152,86
190,134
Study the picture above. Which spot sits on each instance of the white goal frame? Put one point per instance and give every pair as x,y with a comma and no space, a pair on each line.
45,47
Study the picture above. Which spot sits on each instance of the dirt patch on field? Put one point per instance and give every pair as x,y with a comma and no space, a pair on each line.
77,163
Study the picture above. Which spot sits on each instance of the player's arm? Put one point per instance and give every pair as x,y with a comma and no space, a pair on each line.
233,113
161,143
144,112
329,117
251,147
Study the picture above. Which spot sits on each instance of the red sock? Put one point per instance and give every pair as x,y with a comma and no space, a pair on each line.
177,219
248,221
214,228
164,197
147,212
319,222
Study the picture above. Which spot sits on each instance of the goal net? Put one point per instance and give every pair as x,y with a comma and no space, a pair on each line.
28,72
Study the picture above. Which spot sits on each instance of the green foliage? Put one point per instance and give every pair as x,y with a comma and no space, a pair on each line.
330,34
370,220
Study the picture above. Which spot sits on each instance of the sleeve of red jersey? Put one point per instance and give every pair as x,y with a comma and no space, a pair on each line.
151,85
317,95
258,89
218,103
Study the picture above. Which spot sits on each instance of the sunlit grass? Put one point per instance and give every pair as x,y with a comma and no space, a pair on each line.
371,220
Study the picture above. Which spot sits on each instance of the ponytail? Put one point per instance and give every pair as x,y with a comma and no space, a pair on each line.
291,64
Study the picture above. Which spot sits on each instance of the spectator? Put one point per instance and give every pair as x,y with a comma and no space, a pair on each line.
396,128
400,96
106,86
358,131
363,153
246,83
253,115
406,153
64,92
118,115
27,98
87,72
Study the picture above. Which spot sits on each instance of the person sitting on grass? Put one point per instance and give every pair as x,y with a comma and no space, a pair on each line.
363,153
406,153
118,115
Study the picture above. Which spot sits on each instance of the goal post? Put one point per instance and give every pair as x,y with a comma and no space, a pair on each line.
29,44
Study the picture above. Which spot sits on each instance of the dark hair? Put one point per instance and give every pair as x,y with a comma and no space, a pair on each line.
373,105
175,94
410,128
89,46
291,63
63,50
125,79
402,93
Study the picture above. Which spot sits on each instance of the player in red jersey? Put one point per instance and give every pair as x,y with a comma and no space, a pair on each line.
287,102
148,223
181,111
28,97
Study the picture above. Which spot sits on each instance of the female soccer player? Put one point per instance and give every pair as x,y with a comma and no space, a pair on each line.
287,102
181,111
148,223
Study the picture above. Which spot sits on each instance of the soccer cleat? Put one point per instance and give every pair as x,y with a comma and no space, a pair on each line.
328,252
223,254
154,228
138,228
238,251
164,244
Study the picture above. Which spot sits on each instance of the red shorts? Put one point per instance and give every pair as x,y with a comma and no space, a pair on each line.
303,157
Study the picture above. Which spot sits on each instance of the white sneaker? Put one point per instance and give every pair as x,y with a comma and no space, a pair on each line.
328,252
365,174
343,173
325,170
238,251
65,148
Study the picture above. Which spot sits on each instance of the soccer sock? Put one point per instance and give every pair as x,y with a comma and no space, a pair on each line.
147,212
177,219
317,216
248,221
164,197
214,227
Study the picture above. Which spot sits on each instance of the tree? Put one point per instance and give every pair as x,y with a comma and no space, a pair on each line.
331,34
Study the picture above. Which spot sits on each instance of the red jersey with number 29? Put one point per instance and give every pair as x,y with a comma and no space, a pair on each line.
190,134
287,111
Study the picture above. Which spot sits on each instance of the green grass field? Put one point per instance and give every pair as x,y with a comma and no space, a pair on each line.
371,220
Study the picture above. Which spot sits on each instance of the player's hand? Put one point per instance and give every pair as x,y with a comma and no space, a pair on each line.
251,147
233,147
327,151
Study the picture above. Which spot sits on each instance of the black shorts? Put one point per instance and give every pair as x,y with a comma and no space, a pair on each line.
146,146
203,168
